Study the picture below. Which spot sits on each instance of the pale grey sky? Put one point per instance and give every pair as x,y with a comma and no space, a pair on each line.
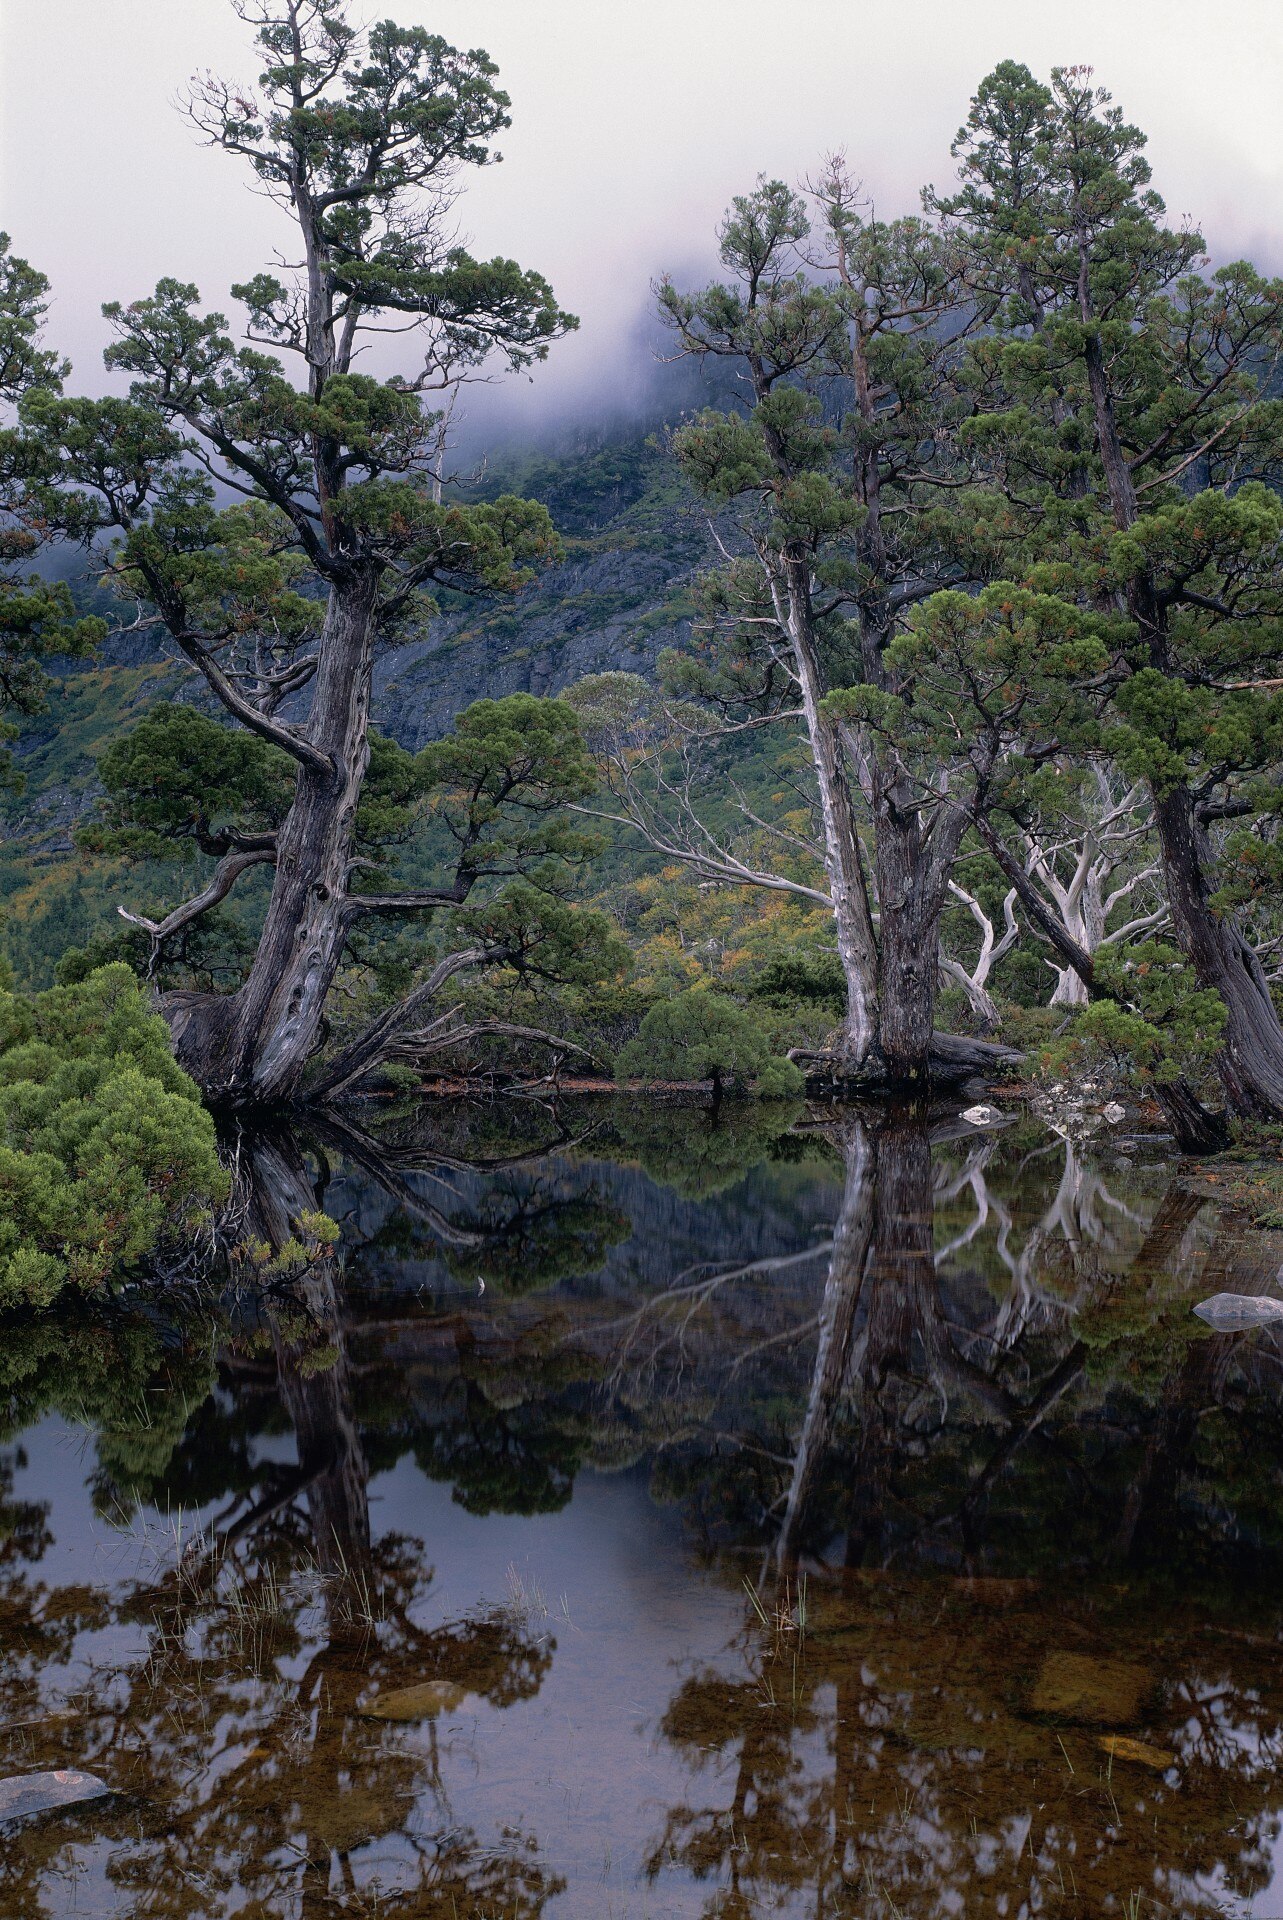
633,123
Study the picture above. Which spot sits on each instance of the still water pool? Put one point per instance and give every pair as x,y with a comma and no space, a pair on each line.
639,1518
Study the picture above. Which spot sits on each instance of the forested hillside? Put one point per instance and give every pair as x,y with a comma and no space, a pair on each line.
893,707
633,541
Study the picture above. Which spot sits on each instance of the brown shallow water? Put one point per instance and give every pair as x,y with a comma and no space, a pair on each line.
852,1520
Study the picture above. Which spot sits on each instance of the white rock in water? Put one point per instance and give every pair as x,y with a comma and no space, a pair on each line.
982,1116
1114,1113
1232,1312
26,1793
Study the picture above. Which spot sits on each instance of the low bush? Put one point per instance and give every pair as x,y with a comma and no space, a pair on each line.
703,1035
105,1148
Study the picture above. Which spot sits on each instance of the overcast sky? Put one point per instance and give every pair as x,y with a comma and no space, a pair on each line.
633,123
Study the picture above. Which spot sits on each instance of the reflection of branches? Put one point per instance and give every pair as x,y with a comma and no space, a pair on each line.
842,1767
376,1155
848,1760
948,1189
664,1320
268,1638
1075,1218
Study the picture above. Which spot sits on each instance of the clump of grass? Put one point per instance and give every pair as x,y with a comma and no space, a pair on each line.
1252,1172
525,1598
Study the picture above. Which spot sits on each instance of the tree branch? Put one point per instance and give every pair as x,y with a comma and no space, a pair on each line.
721,866
228,873
424,900
370,1047
295,744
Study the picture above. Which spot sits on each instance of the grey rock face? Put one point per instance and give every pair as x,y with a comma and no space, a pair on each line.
608,611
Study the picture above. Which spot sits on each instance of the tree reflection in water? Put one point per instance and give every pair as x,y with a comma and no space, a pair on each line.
939,1392
248,1771
1007,1518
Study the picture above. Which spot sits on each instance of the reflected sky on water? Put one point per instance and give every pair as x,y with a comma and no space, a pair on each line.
806,1514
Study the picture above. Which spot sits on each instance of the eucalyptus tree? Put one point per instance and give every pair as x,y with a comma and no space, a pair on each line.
336,534
1130,440
994,946
1086,842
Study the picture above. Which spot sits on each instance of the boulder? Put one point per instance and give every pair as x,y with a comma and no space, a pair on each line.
1092,1692
422,1702
23,1794
1233,1312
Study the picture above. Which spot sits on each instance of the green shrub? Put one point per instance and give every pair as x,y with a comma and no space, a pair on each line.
1159,1026
104,1145
779,1080
702,1035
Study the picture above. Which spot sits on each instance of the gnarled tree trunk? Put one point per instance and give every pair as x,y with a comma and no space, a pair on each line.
1251,1058
252,1047
842,861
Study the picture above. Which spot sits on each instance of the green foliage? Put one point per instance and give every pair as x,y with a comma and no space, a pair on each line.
780,1080
1001,669
211,954
538,936
701,1154
500,781
1125,442
38,618
789,975
121,1374
341,530
543,1239
1153,1021
390,800
702,1035
967,348
182,783
104,1146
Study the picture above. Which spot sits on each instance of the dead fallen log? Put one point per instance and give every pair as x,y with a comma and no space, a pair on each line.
954,1059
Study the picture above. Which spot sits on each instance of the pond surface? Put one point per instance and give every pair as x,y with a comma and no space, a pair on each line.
638,1518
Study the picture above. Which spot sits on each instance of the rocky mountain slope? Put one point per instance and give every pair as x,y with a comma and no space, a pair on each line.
633,541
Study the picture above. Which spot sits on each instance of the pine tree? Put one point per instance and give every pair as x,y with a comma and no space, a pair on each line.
360,138
38,619
851,332
1128,443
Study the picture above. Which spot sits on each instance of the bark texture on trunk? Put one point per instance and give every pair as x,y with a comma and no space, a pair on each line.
1251,1060
252,1048
913,875
842,861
